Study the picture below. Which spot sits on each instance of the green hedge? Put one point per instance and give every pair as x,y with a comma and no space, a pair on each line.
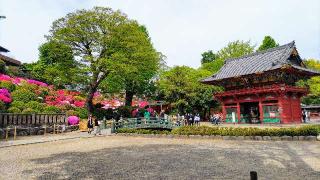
310,130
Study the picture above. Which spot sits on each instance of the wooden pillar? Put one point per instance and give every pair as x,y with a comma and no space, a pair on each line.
238,111
260,109
223,111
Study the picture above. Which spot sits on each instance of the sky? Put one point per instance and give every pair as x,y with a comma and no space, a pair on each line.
180,29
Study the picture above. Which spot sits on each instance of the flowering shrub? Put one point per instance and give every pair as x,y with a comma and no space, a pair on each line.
73,120
5,95
39,83
8,85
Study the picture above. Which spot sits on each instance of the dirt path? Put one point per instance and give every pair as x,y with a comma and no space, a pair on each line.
116,157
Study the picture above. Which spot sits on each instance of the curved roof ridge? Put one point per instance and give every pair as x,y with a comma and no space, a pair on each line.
290,45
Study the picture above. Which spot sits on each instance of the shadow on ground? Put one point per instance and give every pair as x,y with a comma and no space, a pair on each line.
175,162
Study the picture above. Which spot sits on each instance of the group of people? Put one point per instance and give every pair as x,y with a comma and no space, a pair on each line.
191,119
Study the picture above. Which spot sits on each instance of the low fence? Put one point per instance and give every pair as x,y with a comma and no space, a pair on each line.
14,119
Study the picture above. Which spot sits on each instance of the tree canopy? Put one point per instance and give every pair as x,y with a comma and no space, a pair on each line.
181,87
56,65
105,42
267,43
208,56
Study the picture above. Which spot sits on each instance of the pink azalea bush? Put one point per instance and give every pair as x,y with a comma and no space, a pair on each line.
5,95
73,120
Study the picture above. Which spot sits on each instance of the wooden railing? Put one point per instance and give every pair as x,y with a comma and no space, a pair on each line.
14,119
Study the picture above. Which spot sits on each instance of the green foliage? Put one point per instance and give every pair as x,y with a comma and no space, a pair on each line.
213,67
82,112
14,110
235,49
18,104
8,85
125,111
181,87
72,113
56,64
230,131
267,43
313,84
29,111
2,67
36,106
51,109
3,107
14,71
23,95
208,57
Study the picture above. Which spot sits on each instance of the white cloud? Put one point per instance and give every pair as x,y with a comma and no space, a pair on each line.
181,29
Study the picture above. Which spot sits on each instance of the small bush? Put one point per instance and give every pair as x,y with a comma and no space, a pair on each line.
36,106
8,85
14,71
18,104
23,95
14,110
29,111
51,109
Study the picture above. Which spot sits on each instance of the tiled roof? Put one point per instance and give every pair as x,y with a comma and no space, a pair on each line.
258,62
10,60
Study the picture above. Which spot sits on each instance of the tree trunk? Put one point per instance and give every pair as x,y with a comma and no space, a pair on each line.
89,101
129,97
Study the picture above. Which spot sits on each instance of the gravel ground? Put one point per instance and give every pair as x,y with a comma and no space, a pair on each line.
116,157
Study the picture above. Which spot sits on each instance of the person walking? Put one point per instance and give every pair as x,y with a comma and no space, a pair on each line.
90,124
97,129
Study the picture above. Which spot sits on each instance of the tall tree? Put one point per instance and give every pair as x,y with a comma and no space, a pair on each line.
236,49
267,43
232,50
105,42
208,56
181,87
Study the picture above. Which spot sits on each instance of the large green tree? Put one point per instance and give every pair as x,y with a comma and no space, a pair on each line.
267,43
105,42
181,87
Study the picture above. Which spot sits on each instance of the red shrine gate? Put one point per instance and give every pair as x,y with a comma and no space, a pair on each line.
261,87
269,104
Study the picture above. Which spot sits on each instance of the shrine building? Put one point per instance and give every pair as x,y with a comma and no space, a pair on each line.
260,87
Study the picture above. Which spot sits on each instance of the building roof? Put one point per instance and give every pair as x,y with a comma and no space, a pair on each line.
2,49
9,60
258,62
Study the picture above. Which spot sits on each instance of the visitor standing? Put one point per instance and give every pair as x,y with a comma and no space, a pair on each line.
191,120
90,123
97,129
197,120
